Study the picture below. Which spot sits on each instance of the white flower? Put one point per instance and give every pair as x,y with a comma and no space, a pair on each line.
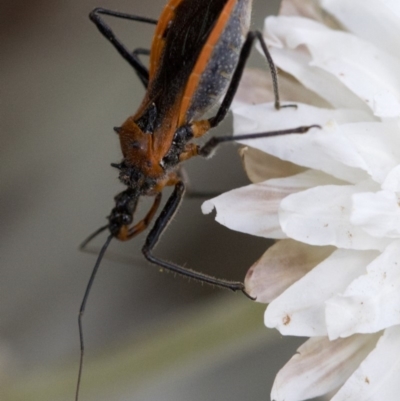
331,196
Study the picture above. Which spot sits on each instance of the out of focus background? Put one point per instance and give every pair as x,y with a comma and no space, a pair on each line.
149,335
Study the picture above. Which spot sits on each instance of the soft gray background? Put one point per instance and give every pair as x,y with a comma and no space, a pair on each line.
63,88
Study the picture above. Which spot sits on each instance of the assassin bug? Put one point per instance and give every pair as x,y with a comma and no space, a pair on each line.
199,51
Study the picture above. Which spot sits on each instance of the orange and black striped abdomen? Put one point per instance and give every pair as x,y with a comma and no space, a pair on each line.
217,61
182,31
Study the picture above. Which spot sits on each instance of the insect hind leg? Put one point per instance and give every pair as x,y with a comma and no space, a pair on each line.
131,57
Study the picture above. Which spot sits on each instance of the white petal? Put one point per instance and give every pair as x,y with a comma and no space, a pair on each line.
254,209
345,56
321,216
312,149
281,265
300,310
251,210
373,147
302,8
377,213
377,378
298,62
261,166
320,366
372,20
254,88
371,302
392,180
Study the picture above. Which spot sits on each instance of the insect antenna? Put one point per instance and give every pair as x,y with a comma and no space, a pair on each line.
92,236
85,298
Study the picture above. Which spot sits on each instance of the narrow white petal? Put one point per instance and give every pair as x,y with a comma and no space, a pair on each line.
373,147
312,149
371,302
340,150
320,366
300,310
378,213
321,216
372,20
251,210
377,378
346,57
282,265
254,209
302,8
297,61
261,166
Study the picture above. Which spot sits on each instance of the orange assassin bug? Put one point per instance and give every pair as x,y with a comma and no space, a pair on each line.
197,57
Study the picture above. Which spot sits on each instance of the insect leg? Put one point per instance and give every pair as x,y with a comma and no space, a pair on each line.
160,225
207,149
141,52
127,233
237,75
105,30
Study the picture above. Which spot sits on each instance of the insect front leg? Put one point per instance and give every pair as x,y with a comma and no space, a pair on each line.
126,232
131,57
207,149
160,225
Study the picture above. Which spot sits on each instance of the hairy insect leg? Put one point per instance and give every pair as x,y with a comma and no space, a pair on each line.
153,237
237,75
131,57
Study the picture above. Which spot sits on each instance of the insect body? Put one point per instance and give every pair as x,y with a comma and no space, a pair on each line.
197,58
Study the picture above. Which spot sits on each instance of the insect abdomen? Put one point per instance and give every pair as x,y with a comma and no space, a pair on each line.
217,61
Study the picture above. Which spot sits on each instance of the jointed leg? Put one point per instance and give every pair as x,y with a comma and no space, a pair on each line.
126,232
207,149
131,58
141,52
237,75
160,225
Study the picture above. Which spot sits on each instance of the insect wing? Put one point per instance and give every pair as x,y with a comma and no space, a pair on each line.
158,44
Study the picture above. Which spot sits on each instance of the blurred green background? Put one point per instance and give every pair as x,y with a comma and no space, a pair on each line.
149,336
